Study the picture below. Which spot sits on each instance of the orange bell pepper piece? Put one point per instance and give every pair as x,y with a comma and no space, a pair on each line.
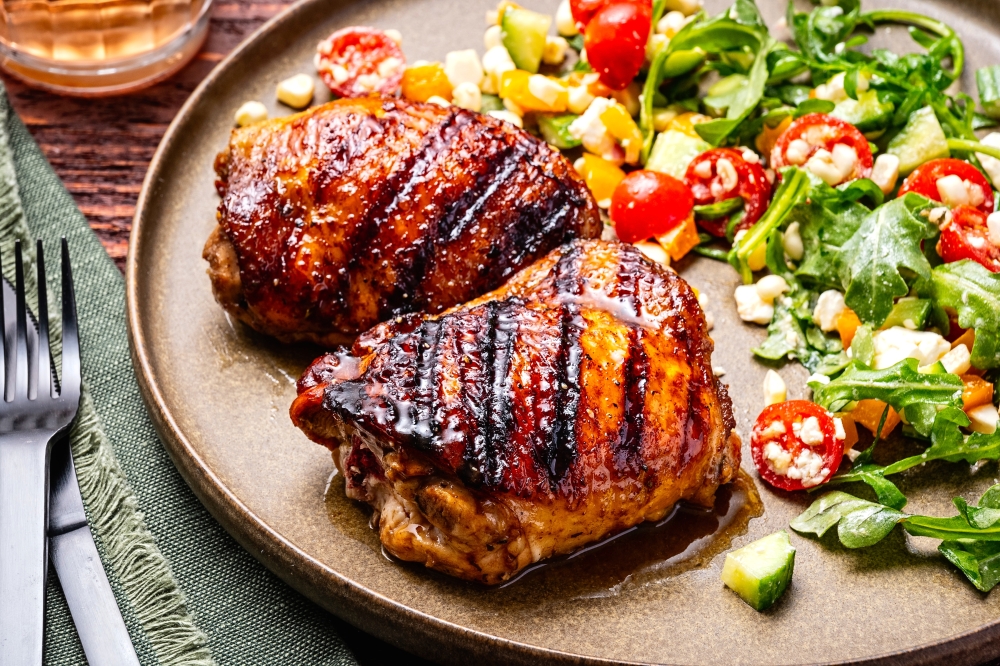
869,412
422,82
847,326
976,392
769,136
850,430
681,239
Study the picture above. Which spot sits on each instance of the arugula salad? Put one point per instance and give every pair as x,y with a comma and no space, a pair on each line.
850,187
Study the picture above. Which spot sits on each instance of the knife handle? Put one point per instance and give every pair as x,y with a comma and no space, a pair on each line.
91,602
24,493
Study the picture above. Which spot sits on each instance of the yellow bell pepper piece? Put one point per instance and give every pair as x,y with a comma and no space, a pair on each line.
621,126
515,86
685,123
681,239
601,176
422,82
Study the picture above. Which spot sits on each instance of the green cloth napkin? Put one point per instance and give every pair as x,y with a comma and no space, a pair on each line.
188,592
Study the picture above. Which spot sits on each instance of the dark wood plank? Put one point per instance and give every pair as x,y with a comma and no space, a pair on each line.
101,148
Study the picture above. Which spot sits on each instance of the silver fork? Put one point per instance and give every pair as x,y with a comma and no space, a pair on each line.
33,412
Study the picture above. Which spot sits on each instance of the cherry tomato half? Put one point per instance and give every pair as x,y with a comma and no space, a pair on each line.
795,445
966,236
584,10
647,204
359,61
924,180
709,184
822,132
615,38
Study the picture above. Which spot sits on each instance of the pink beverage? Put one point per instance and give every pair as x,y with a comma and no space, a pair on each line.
99,47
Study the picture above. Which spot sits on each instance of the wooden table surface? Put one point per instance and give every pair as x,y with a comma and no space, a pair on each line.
101,148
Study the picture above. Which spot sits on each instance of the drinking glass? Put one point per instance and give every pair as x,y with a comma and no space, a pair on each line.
99,47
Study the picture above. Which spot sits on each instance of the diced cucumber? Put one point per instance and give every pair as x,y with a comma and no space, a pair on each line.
555,130
725,91
866,112
760,571
673,151
920,141
911,314
491,103
523,33
988,82
936,369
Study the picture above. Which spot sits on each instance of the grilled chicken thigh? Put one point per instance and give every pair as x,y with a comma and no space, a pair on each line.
361,210
572,403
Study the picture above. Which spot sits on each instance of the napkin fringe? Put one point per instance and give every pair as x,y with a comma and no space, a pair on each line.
153,605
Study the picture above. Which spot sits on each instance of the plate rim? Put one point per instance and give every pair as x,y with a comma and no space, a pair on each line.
353,602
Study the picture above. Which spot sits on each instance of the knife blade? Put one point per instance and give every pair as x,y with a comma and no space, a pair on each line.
73,553
78,565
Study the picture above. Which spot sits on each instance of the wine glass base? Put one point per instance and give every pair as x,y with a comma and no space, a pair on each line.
107,77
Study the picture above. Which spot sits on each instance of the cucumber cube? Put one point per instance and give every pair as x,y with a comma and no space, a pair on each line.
922,140
911,314
760,571
555,130
523,34
673,151
988,81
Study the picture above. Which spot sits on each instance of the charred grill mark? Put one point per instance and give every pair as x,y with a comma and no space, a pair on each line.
561,451
476,455
562,446
426,429
469,205
627,451
411,272
401,180
500,394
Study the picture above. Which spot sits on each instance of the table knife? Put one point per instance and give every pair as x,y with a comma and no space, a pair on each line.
72,550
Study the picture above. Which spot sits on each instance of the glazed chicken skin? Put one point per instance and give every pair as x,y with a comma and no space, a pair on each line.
574,402
361,210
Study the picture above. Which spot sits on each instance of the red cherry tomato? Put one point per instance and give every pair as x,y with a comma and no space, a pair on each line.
821,131
791,451
360,61
616,38
584,10
966,236
647,204
925,178
710,186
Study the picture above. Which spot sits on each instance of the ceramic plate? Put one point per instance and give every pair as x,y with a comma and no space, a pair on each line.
220,395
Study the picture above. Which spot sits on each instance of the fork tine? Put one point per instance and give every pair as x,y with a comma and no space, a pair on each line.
70,385
44,384
21,372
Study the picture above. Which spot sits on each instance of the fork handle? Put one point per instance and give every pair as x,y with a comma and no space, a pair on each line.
24,493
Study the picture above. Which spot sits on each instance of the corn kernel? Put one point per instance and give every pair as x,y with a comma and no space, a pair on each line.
249,113
296,91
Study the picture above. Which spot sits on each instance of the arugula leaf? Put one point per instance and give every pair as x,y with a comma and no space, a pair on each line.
860,523
886,245
825,224
978,560
970,540
744,102
915,395
974,292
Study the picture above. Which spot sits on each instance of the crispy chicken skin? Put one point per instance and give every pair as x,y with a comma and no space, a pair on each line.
572,403
361,210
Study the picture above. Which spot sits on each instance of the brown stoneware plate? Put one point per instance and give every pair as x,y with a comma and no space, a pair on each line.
220,395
